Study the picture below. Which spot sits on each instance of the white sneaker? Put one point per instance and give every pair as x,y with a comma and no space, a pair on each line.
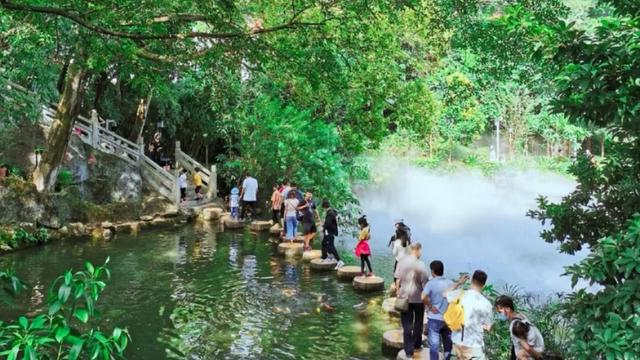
339,265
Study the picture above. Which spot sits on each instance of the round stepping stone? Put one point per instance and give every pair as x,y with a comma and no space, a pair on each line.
392,342
211,213
260,225
388,306
348,272
319,265
276,229
231,223
368,283
290,249
423,354
311,254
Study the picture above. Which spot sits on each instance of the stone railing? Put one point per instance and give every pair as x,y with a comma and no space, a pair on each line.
209,176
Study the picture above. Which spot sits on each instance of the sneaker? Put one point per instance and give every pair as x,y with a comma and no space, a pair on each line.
339,265
370,274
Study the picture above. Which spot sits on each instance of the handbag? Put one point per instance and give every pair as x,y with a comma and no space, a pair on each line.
401,304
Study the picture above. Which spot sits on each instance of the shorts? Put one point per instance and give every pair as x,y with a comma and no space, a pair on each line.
198,189
309,228
468,353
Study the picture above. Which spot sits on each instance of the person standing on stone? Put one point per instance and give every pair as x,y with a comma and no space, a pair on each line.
309,215
401,243
468,343
248,195
436,305
330,230
412,277
362,247
277,201
182,183
290,215
234,203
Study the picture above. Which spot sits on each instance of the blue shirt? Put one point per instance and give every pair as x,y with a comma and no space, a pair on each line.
434,290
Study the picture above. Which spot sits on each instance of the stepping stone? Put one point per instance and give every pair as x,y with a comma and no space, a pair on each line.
260,225
290,249
232,223
388,306
211,213
311,254
276,229
319,265
423,354
392,342
368,283
348,272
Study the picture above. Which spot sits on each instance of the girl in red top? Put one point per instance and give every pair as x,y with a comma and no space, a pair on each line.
362,248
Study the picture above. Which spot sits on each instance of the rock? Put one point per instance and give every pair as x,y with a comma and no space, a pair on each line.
290,249
160,222
107,234
311,254
320,265
50,223
27,226
188,213
392,342
5,247
388,306
231,223
348,272
368,283
276,229
260,225
209,214
423,354
64,231
146,217
106,225
170,214
128,186
123,227
78,229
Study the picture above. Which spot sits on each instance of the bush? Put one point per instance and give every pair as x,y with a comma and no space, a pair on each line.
64,329
65,179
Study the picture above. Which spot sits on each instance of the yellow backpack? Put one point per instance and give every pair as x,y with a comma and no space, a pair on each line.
454,316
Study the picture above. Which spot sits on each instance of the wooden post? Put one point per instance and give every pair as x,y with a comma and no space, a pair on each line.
95,129
213,183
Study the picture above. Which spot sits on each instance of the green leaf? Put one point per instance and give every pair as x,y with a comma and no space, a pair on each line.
81,314
61,333
24,323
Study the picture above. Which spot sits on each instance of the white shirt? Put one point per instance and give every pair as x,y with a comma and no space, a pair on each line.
290,207
534,337
234,200
250,187
399,251
478,311
182,181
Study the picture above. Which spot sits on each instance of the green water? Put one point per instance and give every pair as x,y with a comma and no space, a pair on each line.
197,293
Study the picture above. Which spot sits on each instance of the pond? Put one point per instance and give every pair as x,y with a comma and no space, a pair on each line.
198,293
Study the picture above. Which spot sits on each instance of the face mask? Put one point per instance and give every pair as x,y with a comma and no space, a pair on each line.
502,317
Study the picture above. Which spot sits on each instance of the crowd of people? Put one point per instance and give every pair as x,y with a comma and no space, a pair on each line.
457,318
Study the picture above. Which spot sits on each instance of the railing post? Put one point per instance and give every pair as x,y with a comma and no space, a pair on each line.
213,183
95,129
176,188
176,155
140,150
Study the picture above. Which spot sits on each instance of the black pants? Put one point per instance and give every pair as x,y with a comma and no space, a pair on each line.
412,326
183,193
246,205
328,247
275,216
365,259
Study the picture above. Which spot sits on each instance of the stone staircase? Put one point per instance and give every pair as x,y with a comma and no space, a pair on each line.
91,131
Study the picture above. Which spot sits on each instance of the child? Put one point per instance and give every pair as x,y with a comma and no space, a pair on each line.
527,340
362,248
197,182
234,203
182,182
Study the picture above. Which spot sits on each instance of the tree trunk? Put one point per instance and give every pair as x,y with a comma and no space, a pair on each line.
602,138
101,86
142,118
45,175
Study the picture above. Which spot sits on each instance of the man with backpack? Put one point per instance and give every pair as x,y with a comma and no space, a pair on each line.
526,340
469,314
437,305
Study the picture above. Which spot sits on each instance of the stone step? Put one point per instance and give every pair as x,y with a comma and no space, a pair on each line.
368,283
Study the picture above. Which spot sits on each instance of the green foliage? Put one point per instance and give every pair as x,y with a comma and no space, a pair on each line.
279,142
65,178
19,236
64,329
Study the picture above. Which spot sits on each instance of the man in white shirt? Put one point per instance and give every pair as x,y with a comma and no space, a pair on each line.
249,195
468,343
